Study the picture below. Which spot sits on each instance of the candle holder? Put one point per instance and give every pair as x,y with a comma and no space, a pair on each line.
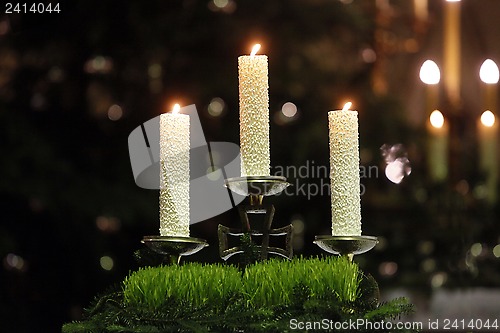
174,247
256,188
346,245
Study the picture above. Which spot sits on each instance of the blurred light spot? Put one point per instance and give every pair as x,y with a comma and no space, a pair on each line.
437,119
115,112
289,109
480,191
98,65
225,6
382,244
368,55
489,72
425,247
394,171
429,72
14,262
4,26
216,107
462,187
439,279
220,3
346,2
388,268
476,249
55,74
38,101
108,224
214,173
411,45
154,71
107,263
488,118
428,265
496,251
298,224
398,165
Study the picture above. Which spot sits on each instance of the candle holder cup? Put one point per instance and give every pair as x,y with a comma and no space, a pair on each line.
346,245
174,247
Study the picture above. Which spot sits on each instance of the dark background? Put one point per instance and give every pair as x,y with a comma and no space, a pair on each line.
74,84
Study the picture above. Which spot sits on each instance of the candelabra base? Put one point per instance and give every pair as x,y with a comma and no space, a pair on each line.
173,247
256,188
346,245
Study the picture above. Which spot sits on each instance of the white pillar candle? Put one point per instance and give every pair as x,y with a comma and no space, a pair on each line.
254,114
344,172
174,174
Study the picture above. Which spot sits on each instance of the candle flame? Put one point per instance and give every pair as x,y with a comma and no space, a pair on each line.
347,106
436,119
488,118
176,109
255,49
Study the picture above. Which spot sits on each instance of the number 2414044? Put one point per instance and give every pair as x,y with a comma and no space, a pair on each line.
26,8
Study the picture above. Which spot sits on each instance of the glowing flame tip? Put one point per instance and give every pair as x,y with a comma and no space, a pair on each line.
347,106
255,49
176,109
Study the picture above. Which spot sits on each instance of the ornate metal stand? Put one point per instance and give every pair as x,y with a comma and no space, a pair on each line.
346,245
174,247
256,187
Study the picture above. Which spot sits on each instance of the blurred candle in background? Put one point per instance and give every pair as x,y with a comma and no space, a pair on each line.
452,51
437,148
487,127
431,76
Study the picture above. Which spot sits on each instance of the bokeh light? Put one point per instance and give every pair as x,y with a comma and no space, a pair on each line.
216,107
488,73
437,119
429,72
488,118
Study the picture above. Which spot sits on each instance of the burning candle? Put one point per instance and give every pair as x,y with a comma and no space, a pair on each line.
344,172
488,157
437,155
254,114
174,173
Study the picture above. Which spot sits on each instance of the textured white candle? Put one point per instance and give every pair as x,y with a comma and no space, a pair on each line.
344,173
174,175
254,115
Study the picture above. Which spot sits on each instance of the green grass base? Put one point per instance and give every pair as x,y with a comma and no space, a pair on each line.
269,296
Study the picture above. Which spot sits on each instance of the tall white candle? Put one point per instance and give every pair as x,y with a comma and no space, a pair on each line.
174,174
254,114
344,172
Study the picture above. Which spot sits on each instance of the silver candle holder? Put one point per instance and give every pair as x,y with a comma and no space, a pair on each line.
174,247
346,245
